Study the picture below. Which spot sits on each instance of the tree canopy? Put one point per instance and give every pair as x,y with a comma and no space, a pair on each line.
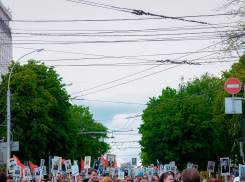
43,119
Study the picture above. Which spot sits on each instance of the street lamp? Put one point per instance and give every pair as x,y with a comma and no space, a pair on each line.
8,105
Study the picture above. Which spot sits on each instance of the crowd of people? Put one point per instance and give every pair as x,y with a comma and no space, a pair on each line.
188,175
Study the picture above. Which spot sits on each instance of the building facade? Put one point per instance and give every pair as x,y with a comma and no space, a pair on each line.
6,53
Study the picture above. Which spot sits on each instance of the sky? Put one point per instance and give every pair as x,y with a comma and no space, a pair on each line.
111,61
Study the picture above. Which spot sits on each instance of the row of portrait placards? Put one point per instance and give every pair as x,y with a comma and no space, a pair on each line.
110,164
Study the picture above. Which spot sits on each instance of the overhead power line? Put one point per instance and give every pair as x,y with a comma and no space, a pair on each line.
134,11
101,20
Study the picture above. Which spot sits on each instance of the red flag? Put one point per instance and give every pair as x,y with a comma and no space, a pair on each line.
103,161
19,164
32,167
148,165
63,161
82,164
115,163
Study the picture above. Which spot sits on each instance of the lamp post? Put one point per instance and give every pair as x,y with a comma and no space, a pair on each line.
8,105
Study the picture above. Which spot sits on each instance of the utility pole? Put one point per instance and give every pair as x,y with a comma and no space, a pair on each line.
9,109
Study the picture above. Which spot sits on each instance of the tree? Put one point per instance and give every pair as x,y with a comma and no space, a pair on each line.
177,126
234,39
43,120
125,165
230,124
90,144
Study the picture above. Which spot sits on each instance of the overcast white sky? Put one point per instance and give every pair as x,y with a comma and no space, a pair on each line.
86,41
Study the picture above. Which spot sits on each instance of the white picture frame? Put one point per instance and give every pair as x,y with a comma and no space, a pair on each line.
87,161
17,170
59,159
134,162
68,166
225,166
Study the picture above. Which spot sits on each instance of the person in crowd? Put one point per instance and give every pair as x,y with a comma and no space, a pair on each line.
150,179
107,179
190,175
50,176
236,174
140,177
101,177
136,179
81,178
3,177
10,178
48,180
155,174
145,176
156,178
92,175
130,179
58,177
232,177
167,177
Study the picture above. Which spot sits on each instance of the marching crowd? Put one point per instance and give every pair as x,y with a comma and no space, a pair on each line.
188,175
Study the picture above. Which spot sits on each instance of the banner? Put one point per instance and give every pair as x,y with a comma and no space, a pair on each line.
82,164
103,161
32,167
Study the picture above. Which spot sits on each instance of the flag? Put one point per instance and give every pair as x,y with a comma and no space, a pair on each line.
32,167
82,164
115,163
158,164
19,164
63,161
103,161
148,165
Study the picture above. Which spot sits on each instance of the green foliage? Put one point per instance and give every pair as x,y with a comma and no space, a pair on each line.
88,144
177,126
43,120
125,165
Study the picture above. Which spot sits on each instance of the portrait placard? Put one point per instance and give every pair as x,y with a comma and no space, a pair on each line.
110,160
150,172
42,161
225,166
195,166
96,164
189,165
134,162
44,171
167,167
17,170
55,166
75,162
87,160
100,160
26,173
172,166
211,166
59,159
75,170
121,175
68,166
11,164
242,173
37,171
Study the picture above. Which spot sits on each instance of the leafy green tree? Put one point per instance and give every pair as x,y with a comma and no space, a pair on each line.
89,143
230,124
177,126
43,119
